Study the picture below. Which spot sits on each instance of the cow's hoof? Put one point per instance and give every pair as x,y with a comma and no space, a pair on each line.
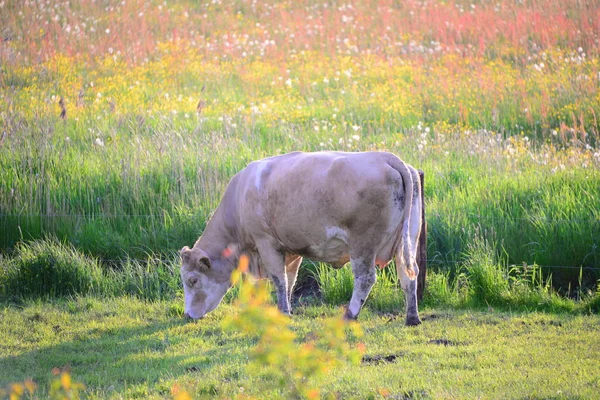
348,316
413,320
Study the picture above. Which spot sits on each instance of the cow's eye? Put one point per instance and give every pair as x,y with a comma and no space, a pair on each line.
193,281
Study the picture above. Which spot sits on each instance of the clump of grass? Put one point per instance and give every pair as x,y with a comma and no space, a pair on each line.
49,268
592,305
488,282
335,284
442,290
530,289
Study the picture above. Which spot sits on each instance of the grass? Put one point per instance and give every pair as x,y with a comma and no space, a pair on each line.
49,269
125,347
482,281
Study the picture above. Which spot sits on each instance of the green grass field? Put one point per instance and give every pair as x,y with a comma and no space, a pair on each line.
123,124
126,348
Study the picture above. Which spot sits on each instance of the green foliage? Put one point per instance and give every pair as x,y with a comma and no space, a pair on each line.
483,280
49,269
441,290
593,304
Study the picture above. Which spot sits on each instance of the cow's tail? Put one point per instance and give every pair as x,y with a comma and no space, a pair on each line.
407,239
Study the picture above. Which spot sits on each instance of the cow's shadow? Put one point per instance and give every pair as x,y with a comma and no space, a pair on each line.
147,354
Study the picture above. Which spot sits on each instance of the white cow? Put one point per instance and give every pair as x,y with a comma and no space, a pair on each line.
333,207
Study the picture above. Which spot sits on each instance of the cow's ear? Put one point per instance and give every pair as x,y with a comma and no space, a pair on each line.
185,253
195,258
204,261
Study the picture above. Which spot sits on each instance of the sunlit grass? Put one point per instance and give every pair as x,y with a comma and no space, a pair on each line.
125,347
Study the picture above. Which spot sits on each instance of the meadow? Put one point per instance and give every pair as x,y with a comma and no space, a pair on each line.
127,348
122,122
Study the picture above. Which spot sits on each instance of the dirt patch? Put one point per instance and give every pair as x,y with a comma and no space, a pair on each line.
380,358
444,342
424,317
305,291
427,317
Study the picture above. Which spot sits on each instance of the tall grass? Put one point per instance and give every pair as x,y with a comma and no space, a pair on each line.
49,269
485,280
488,279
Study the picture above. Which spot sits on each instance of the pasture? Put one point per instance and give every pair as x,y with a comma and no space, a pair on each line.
122,122
127,348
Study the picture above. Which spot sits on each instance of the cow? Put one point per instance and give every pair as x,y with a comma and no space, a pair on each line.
332,207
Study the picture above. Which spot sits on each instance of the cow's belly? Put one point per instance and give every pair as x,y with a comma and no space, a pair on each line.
331,247
334,251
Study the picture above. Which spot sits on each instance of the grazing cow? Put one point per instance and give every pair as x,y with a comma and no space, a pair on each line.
333,207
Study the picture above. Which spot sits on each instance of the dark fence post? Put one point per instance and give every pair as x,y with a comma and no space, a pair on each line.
422,249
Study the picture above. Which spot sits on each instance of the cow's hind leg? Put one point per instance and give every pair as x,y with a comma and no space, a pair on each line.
408,270
292,264
273,262
365,276
408,281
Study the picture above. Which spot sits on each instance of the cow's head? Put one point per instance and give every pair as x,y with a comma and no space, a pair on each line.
205,282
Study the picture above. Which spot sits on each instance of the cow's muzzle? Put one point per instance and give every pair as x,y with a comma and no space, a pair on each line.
190,317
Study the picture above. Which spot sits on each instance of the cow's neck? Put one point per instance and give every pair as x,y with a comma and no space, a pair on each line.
220,232
215,237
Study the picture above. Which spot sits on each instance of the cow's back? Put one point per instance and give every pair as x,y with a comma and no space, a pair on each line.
320,204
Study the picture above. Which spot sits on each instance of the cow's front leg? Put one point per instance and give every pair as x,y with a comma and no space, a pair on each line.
273,262
365,276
